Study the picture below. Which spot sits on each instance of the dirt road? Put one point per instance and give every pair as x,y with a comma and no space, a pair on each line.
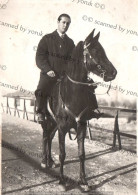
107,171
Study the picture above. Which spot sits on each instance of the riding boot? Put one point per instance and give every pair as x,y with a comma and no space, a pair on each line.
41,102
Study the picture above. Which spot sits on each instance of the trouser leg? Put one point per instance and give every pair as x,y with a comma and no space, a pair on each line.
41,100
43,91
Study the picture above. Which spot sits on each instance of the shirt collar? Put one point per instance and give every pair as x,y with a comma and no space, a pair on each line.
60,34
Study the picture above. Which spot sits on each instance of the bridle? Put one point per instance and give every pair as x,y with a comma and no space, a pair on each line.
103,71
102,75
85,52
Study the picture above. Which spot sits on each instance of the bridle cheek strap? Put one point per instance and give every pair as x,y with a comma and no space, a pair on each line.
85,52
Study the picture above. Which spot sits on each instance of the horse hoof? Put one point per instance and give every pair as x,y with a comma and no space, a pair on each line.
52,165
61,188
43,165
62,182
85,188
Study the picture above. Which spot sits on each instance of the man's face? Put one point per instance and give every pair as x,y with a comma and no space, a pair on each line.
63,24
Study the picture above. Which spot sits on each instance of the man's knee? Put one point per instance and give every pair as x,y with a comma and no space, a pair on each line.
41,93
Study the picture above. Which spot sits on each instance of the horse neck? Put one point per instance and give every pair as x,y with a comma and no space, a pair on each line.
77,70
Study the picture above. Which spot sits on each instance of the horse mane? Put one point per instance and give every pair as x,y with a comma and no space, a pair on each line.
77,51
75,64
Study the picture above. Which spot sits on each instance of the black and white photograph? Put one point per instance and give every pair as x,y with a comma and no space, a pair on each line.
68,97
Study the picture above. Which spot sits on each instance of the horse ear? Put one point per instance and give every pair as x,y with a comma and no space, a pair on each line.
97,37
92,33
90,36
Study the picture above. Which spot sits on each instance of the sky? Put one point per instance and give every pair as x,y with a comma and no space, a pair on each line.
40,16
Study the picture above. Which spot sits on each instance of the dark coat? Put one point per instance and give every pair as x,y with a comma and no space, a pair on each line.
53,52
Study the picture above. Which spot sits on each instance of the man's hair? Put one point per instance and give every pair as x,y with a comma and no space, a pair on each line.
63,15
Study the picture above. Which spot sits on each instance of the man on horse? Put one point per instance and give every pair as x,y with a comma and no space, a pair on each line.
52,52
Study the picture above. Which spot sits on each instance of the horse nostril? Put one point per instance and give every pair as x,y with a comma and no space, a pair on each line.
114,73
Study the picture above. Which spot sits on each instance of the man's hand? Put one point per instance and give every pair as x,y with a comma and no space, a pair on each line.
51,73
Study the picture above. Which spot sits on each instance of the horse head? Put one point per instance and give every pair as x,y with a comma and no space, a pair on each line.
95,58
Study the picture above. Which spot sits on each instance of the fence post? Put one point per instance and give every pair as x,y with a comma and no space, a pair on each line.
14,106
2,107
118,135
34,110
89,131
16,109
25,112
24,109
116,132
8,108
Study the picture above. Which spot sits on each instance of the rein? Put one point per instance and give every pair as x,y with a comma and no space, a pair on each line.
86,51
82,83
90,84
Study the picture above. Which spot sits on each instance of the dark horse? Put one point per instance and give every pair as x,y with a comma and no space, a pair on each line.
70,105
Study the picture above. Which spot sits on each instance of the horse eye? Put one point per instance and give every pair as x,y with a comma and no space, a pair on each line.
99,66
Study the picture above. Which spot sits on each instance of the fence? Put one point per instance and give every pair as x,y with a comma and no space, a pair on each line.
16,110
116,133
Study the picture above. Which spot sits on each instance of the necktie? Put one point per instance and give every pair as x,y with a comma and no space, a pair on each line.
62,36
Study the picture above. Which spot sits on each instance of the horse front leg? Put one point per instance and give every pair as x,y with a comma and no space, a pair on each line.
44,145
50,161
81,133
49,129
62,154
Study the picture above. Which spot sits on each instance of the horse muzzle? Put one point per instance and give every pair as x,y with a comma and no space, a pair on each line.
110,77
